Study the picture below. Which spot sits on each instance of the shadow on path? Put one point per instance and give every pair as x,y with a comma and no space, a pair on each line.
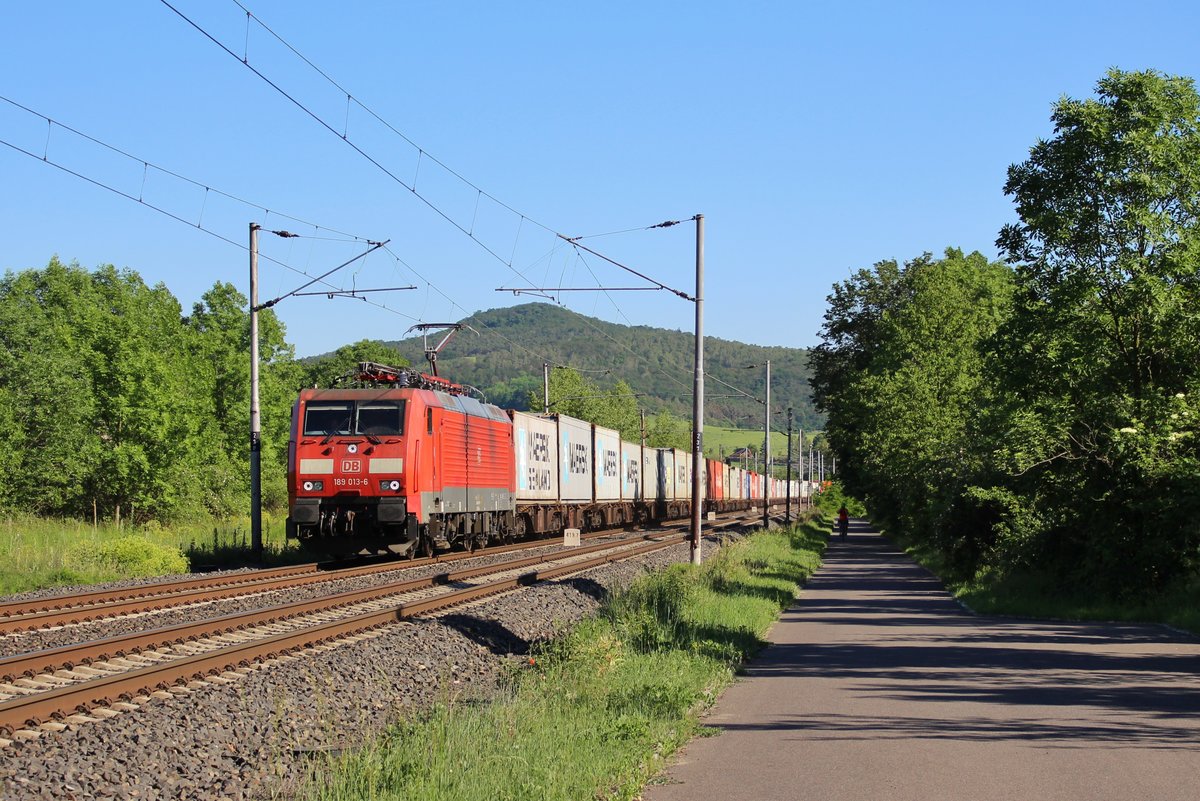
885,626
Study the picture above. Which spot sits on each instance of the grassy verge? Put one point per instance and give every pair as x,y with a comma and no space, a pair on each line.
1034,595
36,553
594,714
1039,595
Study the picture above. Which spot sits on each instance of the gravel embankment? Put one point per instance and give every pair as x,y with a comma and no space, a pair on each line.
253,738
37,640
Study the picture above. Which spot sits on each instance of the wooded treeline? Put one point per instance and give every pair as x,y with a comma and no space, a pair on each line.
114,402
505,361
112,399
1041,415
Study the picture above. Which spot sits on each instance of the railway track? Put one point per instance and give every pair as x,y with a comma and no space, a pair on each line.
22,616
47,690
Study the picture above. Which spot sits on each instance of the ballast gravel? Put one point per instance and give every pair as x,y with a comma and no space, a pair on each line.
41,639
256,737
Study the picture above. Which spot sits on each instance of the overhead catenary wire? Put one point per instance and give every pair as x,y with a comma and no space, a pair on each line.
46,158
149,165
490,329
627,269
411,187
542,357
334,290
350,98
421,153
738,390
374,246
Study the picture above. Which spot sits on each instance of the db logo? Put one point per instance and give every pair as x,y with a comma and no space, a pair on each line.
351,466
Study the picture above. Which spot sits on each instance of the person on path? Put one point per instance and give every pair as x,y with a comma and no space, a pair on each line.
843,521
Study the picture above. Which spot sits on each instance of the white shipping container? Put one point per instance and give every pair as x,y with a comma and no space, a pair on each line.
606,465
664,489
631,472
703,477
649,474
537,457
574,460
682,474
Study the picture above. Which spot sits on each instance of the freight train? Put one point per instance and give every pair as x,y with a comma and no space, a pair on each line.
409,463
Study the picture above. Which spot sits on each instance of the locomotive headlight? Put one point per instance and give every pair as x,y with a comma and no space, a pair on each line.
308,486
352,448
313,486
392,484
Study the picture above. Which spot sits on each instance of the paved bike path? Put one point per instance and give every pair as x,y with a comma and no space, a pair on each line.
877,686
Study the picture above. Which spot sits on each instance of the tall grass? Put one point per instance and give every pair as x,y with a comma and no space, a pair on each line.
595,713
37,553
1032,593
1041,595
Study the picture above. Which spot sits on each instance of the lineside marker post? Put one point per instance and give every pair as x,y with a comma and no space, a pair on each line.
767,454
787,514
256,543
698,396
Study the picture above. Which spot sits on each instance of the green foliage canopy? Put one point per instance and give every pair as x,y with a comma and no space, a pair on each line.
1101,380
901,374
111,399
1044,418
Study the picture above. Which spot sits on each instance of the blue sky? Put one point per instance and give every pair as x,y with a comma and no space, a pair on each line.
815,139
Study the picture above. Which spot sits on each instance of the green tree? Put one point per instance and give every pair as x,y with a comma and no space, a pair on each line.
900,374
325,371
665,430
100,403
1100,370
11,446
516,392
51,446
573,395
147,414
220,323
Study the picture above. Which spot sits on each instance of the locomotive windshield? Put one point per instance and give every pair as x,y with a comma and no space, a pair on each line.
381,418
332,418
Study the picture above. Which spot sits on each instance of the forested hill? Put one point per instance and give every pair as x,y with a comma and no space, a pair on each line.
505,361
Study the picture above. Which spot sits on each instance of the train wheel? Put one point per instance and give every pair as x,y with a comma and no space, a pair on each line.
520,529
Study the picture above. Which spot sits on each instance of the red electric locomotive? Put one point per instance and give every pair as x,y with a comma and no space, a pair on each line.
407,461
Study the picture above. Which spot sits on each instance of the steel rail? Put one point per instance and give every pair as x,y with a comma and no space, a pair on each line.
68,656
30,615
32,710
83,600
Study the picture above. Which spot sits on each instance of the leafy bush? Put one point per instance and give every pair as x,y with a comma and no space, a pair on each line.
127,556
832,499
